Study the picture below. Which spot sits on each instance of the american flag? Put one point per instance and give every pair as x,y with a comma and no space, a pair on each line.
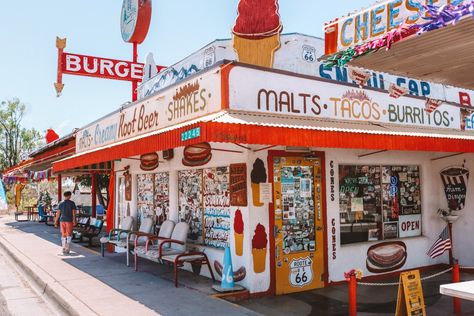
441,245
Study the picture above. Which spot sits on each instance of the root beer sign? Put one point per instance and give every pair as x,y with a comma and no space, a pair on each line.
190,100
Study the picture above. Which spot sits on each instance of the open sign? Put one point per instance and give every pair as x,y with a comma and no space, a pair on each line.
409,225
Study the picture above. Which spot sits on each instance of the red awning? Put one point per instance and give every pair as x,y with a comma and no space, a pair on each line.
251,129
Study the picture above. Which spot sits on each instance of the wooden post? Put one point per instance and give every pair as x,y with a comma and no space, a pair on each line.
352,296
60,188
94,195
456,279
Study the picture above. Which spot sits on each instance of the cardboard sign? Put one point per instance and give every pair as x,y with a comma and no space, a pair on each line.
410,300
238,184
266,193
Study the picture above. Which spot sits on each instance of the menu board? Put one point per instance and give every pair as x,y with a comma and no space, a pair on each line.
216,206
145,197
238,184
162,193
190,202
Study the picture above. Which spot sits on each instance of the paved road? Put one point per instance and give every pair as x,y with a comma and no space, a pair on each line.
16,296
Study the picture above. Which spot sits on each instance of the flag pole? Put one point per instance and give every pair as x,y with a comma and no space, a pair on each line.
450,229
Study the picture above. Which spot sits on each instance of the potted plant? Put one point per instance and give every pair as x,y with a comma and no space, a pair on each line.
448,215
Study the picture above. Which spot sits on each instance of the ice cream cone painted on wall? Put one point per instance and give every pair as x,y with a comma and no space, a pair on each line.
259,249
256,34
239,233
257,176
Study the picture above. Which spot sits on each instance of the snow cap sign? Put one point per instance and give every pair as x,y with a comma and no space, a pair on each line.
256,34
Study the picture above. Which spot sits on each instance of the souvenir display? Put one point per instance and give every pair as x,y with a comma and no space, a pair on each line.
162,195
297,205
145,205
216,206
379,202
190,202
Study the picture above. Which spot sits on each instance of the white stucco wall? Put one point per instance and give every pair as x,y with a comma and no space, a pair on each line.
347,256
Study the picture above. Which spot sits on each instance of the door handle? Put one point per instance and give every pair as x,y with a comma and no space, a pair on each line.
318,228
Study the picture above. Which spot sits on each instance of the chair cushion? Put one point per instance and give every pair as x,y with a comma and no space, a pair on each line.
104,240
180,233
166,229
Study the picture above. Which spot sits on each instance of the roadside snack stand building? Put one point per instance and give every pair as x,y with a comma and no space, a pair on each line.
303,177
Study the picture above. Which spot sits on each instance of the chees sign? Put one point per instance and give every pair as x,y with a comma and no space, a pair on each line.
376,21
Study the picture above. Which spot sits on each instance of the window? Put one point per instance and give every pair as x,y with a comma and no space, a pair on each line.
153,196
379,202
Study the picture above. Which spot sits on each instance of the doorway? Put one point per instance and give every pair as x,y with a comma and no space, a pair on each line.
298,216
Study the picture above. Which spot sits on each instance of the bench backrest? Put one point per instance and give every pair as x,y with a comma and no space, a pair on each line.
146,225
166,229
180,232
127,223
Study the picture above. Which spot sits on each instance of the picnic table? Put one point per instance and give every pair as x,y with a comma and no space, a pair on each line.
463,290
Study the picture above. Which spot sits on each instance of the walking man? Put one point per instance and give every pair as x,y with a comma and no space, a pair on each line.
66,216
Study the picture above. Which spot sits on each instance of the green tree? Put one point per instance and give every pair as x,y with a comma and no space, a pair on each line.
15,141
102,187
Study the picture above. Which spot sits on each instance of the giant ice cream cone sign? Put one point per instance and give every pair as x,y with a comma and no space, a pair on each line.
256,34
455,181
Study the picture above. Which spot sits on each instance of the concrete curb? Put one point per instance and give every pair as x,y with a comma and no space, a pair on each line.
52,290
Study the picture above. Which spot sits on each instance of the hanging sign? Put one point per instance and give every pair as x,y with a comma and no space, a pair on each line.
410,300
135,20
455,181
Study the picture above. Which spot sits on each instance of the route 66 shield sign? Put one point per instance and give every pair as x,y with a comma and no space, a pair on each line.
309,54
301,272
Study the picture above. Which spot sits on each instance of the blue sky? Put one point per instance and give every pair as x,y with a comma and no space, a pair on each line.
28,56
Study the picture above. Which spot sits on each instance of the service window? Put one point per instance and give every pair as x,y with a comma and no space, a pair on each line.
379,202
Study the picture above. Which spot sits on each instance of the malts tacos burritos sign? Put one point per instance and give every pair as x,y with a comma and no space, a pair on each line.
193,98
280,93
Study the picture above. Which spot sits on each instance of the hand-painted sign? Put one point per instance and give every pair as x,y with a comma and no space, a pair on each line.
301,272
410,299
376,21
276,93
455,180
135,20
190,100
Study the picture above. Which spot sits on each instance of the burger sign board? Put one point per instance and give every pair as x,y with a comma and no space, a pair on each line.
135,20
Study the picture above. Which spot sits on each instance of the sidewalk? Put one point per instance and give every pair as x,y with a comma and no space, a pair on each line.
87,284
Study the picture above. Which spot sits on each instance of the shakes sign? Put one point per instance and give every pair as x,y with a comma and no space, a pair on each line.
275,93
195,98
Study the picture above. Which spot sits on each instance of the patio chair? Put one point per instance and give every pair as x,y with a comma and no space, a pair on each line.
173,251
116,234
155,240
93,231
146,226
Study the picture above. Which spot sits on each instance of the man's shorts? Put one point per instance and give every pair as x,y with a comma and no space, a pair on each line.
66,229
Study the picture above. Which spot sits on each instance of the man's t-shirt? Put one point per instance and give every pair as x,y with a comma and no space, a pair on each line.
66,207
